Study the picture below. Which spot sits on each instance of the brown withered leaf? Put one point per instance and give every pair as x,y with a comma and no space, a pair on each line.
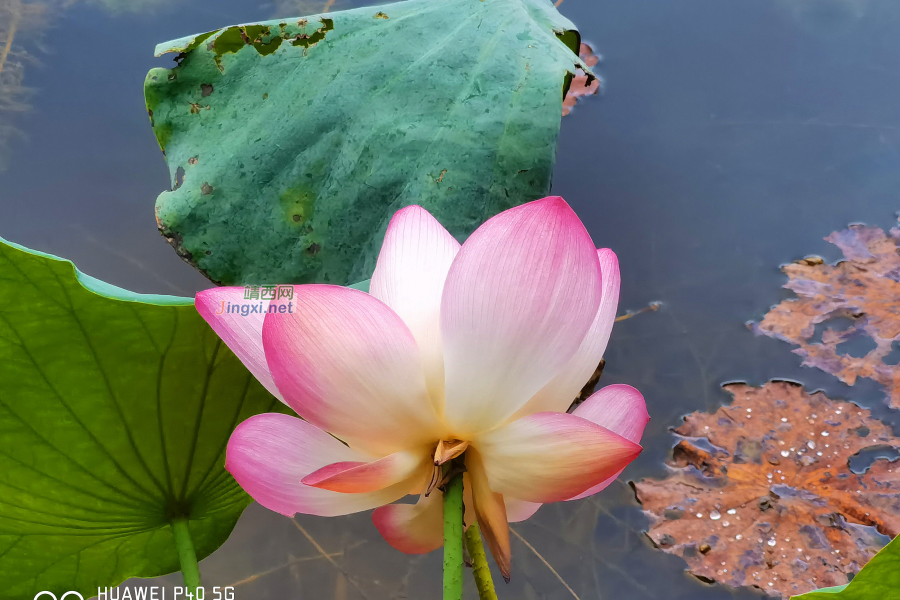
761,493
582,84
864,288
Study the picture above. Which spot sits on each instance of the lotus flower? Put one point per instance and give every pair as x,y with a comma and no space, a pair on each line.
477,349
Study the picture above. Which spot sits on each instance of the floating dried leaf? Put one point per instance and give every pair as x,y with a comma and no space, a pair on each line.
582,84
805,524
865,289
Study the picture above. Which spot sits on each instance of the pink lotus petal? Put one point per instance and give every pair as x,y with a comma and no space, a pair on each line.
413,528
348,364
419,528
240,332
270,454
357,477
519,299
548,457
409,277
519,510
619,408
562,390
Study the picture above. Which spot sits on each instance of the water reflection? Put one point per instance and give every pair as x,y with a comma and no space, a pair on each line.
827,17
17,20
283,8
23,26
733,136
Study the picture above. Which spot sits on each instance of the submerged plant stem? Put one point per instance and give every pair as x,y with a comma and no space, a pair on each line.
186,555
480,568
453,539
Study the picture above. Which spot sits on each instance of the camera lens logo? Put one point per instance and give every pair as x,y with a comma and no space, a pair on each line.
64,596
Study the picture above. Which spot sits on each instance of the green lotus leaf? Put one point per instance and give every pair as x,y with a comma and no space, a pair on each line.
291,143
879,579
115,409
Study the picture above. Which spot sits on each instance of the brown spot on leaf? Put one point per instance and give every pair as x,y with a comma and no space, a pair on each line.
206,89
313,248
206,189
195,108
582,84
193,160
804,524
864,288
380,15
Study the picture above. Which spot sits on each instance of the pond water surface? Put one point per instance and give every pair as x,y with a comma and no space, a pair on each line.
733,135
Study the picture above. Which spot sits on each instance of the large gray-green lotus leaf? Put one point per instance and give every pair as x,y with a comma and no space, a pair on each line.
291,143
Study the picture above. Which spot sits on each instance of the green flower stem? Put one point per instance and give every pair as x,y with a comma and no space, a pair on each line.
453,539
186,555
480,568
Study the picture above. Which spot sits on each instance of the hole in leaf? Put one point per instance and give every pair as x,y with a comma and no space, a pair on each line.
836,324
857,345
893,357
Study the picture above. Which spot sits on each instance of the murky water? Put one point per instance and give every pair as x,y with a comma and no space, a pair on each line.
733,136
